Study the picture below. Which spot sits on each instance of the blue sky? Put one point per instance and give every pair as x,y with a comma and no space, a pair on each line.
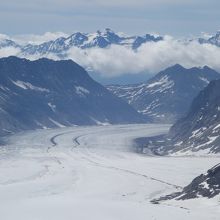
174,17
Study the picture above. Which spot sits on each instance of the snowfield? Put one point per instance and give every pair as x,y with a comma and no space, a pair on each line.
93,173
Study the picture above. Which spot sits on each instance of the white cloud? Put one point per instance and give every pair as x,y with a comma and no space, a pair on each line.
150,57
38,39
8,51
4,36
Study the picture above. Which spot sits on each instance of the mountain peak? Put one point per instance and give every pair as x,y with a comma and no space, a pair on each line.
207,68
178,66
109,30
174,68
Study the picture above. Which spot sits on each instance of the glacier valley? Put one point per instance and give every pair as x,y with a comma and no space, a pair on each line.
94,172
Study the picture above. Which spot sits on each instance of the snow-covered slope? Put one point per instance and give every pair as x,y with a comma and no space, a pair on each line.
46,93
168,95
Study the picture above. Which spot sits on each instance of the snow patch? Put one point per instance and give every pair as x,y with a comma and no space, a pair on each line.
204,80
211,140
41,125
216,127
81,91
99,122
161,86
205,185
57,123
53,107
27,85
162,81
4,88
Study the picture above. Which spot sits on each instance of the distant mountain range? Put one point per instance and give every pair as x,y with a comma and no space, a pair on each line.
46,94
99,39
83,41
168,95
86,41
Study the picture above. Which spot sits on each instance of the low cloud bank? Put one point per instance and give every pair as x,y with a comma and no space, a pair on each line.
9,51
151,57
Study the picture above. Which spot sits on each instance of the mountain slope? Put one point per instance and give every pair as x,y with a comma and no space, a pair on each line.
199,130
46,93
205,185
168,95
